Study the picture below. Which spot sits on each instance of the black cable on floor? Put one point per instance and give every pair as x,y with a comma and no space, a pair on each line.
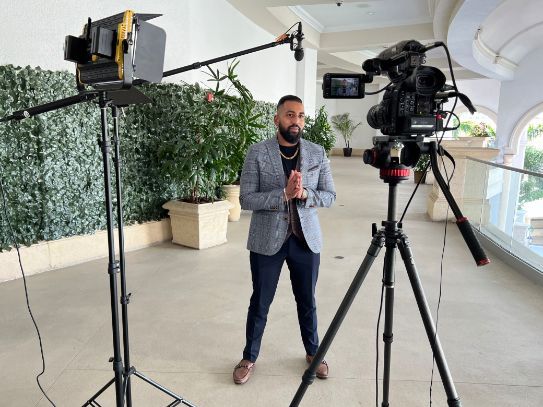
4,200
449,178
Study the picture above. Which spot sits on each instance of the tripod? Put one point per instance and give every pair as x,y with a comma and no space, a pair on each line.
122,374
392,237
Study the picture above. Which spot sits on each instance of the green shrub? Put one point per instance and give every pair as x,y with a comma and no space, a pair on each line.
319,131
51,164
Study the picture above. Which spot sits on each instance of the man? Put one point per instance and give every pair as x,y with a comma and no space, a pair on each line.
343,91
284,180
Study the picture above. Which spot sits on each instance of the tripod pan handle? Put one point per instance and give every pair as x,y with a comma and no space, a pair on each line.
471,240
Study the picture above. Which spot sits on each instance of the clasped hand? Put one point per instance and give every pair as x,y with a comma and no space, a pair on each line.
294,188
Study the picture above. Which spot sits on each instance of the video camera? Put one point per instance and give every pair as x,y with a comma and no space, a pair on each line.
411,107
411,103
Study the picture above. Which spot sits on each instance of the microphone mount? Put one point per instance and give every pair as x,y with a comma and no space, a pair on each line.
135,96
282,39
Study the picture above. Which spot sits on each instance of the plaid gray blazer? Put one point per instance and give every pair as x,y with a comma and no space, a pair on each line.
262,183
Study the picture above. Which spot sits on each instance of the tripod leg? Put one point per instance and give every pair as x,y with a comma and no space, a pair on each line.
452,397
309,375
388,282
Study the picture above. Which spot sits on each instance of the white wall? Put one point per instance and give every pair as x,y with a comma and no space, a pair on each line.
33,31
518,96
482,92
358,109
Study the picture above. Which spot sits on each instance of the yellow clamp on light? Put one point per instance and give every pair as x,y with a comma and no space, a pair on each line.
124,28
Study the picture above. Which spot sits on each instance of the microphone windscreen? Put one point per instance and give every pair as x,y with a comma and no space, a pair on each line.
299,54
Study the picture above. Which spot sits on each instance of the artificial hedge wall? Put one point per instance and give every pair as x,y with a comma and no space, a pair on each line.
51,165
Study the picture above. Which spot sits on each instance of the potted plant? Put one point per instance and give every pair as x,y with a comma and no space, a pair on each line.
346,127
421,169
475,134
241,125
189,156
319,131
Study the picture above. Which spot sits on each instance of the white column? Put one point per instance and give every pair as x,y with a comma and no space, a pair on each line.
306,76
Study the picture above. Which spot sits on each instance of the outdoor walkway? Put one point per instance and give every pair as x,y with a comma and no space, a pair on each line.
188,311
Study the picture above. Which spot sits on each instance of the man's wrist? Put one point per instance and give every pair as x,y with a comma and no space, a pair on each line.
304,194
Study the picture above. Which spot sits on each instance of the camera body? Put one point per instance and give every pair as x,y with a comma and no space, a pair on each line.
410,106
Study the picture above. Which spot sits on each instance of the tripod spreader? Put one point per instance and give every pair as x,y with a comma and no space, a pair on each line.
462,222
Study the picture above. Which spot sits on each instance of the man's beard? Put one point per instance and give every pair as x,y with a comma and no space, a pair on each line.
290,138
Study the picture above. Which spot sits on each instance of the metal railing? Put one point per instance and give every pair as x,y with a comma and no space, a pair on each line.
502,204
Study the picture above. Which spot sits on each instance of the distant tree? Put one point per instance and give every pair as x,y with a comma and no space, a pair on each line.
534,130
531,187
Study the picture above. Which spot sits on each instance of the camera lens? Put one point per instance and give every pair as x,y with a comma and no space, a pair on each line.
377,116
425,81
428,80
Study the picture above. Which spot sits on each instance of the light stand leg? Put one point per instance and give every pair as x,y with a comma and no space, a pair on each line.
452,397
112,266
125,299
121,393
309,375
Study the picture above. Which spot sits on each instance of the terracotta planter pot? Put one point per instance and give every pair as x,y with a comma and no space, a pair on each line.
419,175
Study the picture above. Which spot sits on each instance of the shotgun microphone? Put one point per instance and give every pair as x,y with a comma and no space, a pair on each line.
298,50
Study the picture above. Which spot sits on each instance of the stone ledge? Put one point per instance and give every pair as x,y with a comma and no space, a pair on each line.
72,250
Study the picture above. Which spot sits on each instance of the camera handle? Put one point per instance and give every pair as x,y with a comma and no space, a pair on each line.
462,222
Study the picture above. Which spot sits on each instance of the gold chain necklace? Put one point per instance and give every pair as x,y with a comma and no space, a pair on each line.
292,156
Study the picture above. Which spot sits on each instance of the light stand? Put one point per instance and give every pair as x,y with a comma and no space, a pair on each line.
392,237
122,387
114,98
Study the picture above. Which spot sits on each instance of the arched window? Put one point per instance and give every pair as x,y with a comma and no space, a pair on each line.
531,190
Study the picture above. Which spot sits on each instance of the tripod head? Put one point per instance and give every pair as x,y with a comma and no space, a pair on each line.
394,156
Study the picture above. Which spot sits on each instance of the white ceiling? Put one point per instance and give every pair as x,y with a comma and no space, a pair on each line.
328,17
486,37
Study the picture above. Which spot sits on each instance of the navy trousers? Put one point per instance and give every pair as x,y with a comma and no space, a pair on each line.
265,270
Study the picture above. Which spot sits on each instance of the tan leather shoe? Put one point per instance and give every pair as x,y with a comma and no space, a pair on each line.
322,370
243,371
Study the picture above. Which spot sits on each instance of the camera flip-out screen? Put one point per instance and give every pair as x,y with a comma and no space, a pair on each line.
343,86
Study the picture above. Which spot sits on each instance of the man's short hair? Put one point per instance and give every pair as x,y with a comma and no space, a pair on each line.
288,98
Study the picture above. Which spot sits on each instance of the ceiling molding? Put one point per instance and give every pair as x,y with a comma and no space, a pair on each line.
493,56
347,50
442,14
311,36
308,18
357,40
334,61
463,39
